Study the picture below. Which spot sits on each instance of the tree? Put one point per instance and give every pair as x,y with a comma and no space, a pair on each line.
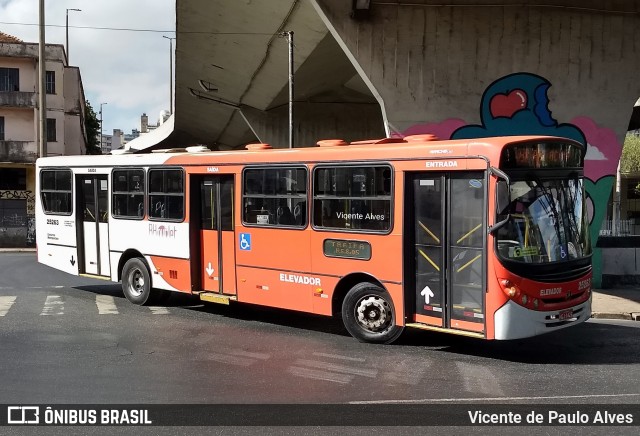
92,127
630,158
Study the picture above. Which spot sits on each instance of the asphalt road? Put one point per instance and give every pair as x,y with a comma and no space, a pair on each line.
66,339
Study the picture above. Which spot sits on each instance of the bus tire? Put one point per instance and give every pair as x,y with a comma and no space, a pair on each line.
368,314
136,281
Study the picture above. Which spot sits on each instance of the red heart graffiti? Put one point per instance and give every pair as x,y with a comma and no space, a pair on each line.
506,105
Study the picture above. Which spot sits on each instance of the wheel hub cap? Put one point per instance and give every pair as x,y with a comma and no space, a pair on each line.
136,283
373,313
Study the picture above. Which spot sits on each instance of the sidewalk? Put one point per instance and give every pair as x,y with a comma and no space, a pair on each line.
617,303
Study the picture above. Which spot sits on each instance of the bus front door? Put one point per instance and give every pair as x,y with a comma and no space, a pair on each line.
446,269
93,212
217,236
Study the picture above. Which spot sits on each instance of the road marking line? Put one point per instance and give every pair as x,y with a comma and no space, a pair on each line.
337,356
467,400
320,375
261,356
53,306
406,372
106,305
157,310
365,372
5,304
477,378
231,360
4,288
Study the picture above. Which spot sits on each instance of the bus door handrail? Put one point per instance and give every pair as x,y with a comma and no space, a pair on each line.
500,175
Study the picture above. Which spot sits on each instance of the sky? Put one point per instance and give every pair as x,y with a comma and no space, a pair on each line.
127,70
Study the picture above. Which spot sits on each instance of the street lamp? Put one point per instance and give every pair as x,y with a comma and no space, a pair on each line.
67,27
101,104
170,72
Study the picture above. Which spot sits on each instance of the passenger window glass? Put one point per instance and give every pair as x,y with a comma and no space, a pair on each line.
353,198
128,193
55,191
166,195
275,197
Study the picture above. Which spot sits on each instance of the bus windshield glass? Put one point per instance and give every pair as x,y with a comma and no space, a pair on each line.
547,222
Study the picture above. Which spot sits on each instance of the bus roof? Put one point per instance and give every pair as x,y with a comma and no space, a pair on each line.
417,146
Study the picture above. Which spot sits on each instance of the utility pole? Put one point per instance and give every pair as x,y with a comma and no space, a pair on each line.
42,97
170,72
289,36
67,28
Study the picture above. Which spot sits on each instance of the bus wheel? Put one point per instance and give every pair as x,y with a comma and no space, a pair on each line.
368,314
136,282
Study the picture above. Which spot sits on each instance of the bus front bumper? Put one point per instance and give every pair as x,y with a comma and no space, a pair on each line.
513,321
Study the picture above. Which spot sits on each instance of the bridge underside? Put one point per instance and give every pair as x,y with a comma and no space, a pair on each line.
232,71
391,67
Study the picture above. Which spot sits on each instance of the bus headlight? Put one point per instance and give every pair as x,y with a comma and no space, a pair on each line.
509,288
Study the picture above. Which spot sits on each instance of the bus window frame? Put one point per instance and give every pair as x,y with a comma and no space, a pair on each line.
148,193
325,165
303,166
144,194
42,191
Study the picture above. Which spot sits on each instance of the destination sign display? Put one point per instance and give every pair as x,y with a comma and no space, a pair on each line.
347,249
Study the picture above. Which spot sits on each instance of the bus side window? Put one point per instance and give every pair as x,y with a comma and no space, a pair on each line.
166,194
270,195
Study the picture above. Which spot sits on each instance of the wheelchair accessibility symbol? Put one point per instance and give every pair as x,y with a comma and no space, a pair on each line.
245,241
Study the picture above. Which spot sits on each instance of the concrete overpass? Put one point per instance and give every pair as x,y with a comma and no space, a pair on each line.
456,69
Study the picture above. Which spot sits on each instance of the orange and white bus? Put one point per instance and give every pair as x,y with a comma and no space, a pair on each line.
486,237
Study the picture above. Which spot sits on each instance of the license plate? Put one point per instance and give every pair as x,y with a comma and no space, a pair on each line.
566,314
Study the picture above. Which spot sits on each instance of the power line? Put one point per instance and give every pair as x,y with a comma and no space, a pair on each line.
126,29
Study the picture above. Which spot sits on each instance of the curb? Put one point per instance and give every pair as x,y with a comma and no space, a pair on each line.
627,316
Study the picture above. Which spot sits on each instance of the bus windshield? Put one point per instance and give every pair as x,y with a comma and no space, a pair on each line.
547,222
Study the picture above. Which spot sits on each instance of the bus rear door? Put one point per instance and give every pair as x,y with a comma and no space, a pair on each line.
217,270
93,218
446,232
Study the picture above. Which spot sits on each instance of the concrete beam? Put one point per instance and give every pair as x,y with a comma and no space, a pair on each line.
315,121
427,62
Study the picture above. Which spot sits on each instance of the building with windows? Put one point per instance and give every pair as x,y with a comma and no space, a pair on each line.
145,127
117,140
19,114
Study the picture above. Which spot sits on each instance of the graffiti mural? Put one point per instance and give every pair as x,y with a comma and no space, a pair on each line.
31,231
16,195
17,224
518,104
